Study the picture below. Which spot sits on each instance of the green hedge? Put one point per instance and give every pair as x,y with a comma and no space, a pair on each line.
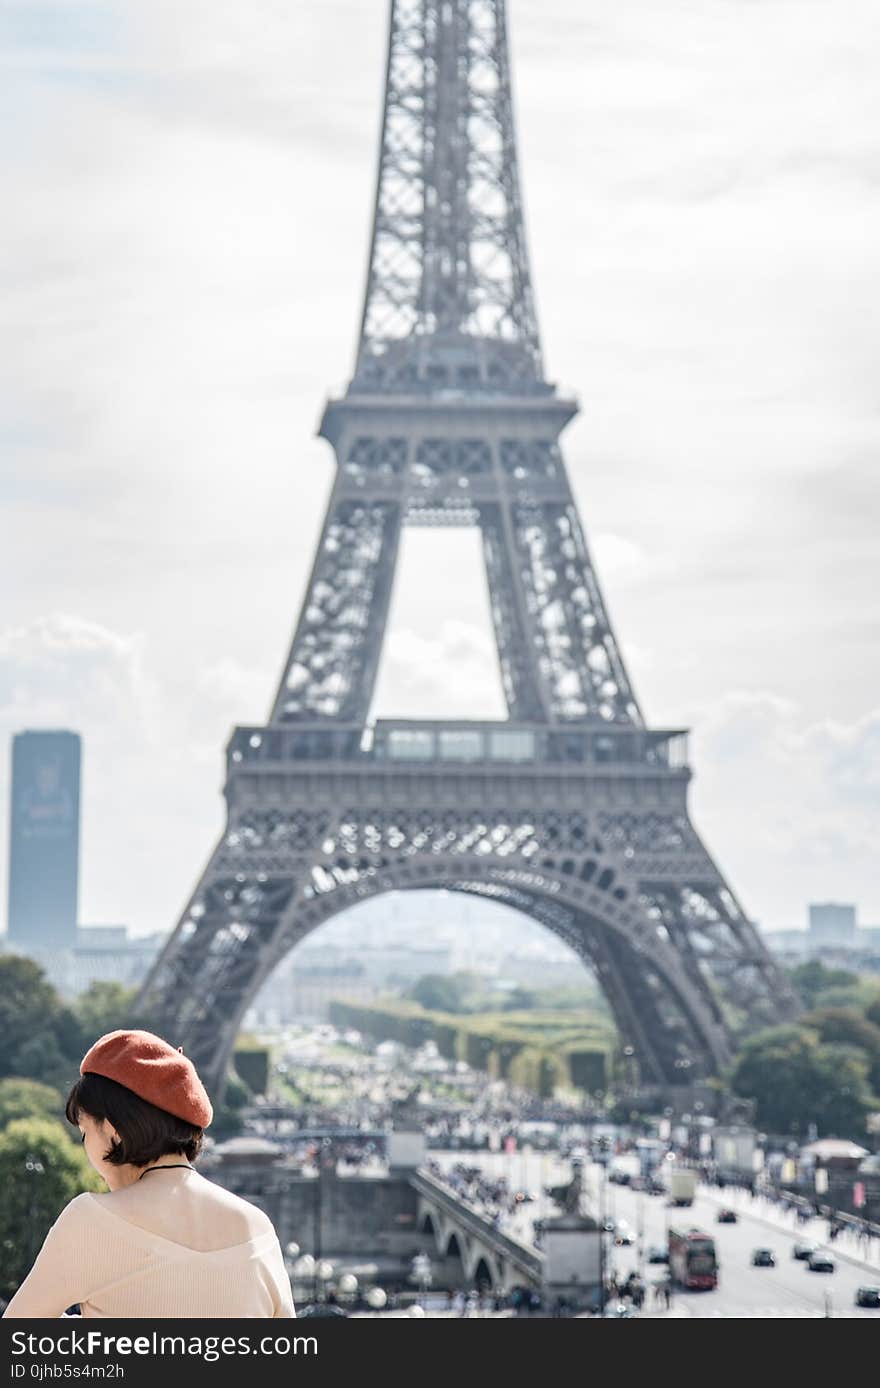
538,1051
252,1066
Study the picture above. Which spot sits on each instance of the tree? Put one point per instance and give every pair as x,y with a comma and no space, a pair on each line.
103,1007
444,992
28,1007
842,1026
227,1114
236,1093
40,1039
813,978
28,1099
41,1171
252,1065
795,1081
521,999
846,1090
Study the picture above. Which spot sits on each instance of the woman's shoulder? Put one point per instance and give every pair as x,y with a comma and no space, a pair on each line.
200,1213
76,1212
251,1217
197,1198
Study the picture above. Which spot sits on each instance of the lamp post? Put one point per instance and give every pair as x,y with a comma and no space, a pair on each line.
291,1253
640,1232
304,1272
347,1288
629,1068
316,1228
375,1298
670,1280
324,1160
323,1273
422,1275
602,1191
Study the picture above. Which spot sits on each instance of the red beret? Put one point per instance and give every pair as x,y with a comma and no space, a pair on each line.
153,1070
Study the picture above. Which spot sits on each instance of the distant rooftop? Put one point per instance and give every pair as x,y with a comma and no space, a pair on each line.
829,1148
247,1147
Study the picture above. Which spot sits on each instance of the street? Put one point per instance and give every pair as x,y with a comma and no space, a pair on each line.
787,1290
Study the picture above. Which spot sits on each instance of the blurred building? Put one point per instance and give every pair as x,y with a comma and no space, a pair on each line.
303,993
106,953
833,936
789,942
316,973
535,971
102,954
832,923
404,964
44,841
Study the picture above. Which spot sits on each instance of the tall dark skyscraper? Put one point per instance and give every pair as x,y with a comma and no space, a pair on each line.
44,840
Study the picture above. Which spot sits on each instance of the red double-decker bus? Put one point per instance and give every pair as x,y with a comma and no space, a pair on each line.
692,1259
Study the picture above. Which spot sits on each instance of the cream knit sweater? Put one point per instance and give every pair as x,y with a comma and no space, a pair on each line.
173,1245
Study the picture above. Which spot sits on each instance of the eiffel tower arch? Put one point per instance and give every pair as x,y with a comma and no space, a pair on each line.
572,810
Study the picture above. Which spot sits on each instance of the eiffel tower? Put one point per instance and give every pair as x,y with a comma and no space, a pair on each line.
572,810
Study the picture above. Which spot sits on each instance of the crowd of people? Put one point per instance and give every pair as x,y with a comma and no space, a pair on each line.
361,1087
493,1197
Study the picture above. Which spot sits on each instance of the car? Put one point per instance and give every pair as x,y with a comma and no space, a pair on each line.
658,1255
803,1251
868,1296
623,1238
821,1262
763,1258
726,1217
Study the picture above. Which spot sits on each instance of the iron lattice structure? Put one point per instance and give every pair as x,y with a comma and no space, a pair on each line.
572,810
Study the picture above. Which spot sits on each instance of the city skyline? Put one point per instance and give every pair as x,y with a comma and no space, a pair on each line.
702,336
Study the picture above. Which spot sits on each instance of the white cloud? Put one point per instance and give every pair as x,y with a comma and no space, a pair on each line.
449,675
64,670
617,557
790,808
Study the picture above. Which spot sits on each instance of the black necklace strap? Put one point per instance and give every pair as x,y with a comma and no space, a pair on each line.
169,1166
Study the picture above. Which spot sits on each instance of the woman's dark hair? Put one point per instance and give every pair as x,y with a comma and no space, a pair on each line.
145,1132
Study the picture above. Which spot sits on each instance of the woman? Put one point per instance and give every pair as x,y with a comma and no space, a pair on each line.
163,1241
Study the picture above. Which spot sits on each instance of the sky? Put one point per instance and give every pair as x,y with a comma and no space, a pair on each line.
188,188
